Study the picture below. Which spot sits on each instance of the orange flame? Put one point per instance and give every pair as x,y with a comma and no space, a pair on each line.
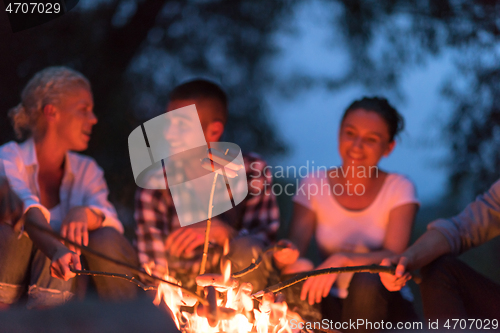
271,318
226,271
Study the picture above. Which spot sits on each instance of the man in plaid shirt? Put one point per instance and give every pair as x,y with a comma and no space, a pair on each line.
251,225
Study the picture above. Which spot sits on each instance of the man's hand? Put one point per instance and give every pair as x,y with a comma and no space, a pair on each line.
62,262
75,227
314,289
397,281
286,256
183,241
11,207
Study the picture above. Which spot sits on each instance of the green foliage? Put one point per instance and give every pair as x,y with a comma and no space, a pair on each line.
134,52
383,38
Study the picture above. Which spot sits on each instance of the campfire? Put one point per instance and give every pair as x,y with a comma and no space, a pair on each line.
228,306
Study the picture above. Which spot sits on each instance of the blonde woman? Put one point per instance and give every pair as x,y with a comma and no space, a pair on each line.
59,189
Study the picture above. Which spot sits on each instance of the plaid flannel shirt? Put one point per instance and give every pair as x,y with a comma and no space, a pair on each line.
156,218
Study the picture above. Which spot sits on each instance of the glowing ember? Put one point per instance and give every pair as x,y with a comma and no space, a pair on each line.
226,271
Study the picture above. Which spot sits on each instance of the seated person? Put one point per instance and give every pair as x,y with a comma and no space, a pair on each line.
450,289
358,214
59,190
165,246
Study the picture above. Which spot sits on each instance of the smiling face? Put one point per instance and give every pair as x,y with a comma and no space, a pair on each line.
75,119
182,134
364,138
182,131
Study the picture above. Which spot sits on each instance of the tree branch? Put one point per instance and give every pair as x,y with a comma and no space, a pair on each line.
116,275
334,270
253,266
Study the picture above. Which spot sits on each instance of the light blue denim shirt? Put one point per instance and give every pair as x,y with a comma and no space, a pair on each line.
476,224
83,182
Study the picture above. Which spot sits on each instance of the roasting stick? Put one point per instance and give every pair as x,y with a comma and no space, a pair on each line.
209,222
116,275
254,265
88,251
334,270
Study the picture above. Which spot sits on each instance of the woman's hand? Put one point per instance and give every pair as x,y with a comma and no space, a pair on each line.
316,288
397,281
62,263
75,227
286,256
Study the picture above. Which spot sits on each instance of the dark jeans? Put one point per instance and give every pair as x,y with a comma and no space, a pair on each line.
24,268
452,290
369,300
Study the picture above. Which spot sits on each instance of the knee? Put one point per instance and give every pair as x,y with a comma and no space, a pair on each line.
109,241
440,269
366,284
104,239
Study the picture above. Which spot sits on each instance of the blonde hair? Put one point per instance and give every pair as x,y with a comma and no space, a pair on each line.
45,87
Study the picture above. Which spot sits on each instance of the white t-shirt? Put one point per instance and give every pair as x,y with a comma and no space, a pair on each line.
342,230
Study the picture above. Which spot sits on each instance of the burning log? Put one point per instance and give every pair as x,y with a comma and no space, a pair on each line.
212,312
216,280
223,313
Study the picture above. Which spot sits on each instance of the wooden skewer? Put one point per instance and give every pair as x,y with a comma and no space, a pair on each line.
305,275
209,222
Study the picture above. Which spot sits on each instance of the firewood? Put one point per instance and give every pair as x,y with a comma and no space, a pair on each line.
216,280
224,313
212,308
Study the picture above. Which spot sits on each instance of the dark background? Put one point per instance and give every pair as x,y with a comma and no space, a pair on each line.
134,52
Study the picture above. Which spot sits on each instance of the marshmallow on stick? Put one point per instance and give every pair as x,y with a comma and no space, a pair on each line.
220,162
